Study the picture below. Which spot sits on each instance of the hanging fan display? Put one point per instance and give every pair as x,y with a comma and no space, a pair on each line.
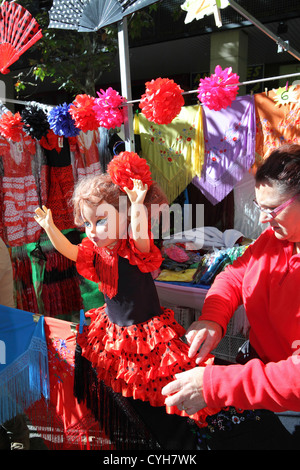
98,14
18,32
91,15
66,14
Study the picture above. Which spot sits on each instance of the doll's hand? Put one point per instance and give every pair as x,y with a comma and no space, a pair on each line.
44,217
138,193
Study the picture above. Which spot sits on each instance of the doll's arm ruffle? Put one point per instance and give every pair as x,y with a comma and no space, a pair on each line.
146,262
85,261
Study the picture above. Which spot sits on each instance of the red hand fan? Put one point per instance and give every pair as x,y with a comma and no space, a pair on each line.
18,32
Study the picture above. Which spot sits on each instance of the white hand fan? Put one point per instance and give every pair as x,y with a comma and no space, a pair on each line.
91,15
18,32
65,14
100,13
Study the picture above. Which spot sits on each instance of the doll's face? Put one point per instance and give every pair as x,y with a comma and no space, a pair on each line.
104,225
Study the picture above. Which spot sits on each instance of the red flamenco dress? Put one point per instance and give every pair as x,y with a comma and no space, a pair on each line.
132,343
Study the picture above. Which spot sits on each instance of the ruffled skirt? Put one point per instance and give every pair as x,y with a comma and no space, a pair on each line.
139,360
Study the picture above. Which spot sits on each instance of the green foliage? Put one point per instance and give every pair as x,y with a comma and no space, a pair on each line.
74,61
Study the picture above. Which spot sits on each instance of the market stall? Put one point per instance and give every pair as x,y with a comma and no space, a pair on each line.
214,146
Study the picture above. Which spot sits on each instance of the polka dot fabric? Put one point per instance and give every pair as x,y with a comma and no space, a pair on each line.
66,15
139,360
18,32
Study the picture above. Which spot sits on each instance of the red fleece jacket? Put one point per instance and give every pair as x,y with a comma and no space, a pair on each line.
266,279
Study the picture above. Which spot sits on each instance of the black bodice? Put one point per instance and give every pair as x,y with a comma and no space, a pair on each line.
137,300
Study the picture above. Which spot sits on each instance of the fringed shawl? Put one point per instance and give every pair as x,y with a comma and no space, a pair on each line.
229,148
174,152
23,362
101,266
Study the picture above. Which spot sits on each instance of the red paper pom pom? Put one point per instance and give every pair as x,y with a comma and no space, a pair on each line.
127,166
83,113
162,101
11,126
51,141
219,90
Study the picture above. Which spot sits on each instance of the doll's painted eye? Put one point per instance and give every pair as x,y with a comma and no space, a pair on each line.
86,224
102,221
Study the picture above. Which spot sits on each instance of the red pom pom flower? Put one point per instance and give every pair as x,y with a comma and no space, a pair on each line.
162,101
50,141
127,166
218,91
107,108
11,126
83,113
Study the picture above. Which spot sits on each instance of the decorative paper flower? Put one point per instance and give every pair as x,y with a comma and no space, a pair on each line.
162,101
50,141
61,121
11,126
285,95
35,121
127,166
83,113
196,10
218,91
107,108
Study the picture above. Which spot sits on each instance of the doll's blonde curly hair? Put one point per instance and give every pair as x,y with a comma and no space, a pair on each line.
96,189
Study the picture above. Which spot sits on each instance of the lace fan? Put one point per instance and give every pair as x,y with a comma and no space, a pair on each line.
18,32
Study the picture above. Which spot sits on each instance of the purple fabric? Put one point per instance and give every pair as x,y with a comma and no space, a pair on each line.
229,147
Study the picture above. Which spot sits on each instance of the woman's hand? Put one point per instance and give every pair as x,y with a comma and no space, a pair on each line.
186,391
203,336
44,217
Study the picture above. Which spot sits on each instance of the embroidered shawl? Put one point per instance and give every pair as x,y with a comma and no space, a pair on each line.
229,147
275,124
175,152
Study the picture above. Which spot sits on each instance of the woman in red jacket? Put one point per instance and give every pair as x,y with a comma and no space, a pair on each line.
266,280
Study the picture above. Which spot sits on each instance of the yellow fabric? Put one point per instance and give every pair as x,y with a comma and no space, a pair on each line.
174,152
180,276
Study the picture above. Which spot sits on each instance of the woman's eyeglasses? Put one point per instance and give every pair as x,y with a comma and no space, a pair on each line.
272,213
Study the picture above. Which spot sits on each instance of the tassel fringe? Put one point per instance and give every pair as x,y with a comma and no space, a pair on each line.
113,412
24,381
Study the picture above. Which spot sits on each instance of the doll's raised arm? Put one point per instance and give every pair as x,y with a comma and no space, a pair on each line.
139,216
44,218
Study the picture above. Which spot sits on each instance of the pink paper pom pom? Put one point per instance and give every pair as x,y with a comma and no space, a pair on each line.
162,101
218,91
107,110
83,113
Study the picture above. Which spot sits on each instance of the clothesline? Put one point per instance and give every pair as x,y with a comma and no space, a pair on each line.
249,82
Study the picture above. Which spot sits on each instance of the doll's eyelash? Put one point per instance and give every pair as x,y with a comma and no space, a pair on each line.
101,221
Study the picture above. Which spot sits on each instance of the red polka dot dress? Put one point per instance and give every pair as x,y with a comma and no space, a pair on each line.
132,342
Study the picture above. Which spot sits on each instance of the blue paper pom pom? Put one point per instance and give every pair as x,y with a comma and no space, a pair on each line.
61,121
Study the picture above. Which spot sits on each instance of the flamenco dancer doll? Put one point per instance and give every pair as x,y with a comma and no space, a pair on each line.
131,343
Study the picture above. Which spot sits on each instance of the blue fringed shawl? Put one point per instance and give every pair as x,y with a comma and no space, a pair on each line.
24,376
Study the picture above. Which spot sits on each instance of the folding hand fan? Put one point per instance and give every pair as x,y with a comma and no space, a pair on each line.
18,32
65,14
100,13
91,15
